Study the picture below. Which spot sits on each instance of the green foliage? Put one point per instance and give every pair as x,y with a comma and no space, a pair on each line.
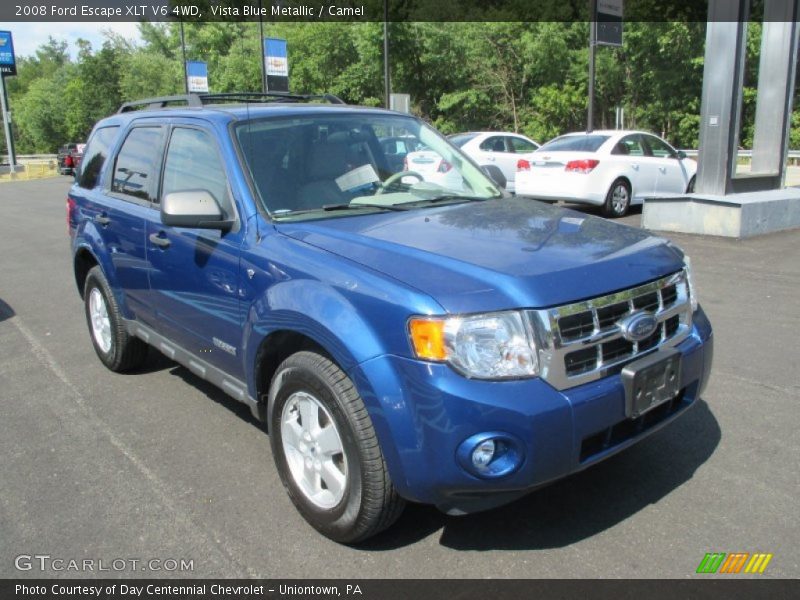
528,77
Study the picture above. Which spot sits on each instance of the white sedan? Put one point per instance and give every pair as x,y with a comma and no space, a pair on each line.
612,169
495,148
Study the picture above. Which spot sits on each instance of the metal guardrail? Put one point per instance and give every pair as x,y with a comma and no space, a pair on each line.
792,157
23,158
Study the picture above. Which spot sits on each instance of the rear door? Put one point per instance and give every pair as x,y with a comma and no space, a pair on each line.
631,159
121,206
194,281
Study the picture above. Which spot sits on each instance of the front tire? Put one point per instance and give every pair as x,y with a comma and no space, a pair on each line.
618,199
690,187
115,347
326,451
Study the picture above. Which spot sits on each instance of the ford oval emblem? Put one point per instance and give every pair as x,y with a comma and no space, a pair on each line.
638,326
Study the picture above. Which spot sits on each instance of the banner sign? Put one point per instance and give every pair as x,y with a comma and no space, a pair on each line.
8,64
197,76
277,63
609,22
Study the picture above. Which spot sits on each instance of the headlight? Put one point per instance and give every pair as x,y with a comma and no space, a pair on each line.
690,281
488,346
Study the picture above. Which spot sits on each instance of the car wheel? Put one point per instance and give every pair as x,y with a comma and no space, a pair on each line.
116,348
618,199
690,187
326,451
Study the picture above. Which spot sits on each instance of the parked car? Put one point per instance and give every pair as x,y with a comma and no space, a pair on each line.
396,148
434,167
496,147
612,169
403,340
69,157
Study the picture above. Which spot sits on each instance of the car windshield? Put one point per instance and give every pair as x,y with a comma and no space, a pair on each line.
326,165
574,143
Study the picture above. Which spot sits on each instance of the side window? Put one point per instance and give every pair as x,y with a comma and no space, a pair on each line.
193,164
521,146
493,144
659,148
138,164
94,157
629,146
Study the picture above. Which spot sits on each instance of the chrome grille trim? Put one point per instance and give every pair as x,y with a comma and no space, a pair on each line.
553,350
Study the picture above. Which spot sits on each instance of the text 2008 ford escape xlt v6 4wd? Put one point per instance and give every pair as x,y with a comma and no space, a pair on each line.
404,339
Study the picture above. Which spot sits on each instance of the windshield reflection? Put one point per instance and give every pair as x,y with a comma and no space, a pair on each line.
331,164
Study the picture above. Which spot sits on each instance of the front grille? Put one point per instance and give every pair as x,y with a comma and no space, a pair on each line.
584,341
574,327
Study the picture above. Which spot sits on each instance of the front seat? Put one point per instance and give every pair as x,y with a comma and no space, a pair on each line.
326,161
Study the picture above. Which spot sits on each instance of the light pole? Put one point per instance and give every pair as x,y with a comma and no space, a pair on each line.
592,45
264,87
386,81
183,53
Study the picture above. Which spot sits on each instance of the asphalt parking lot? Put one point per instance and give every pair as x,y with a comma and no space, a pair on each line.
160,465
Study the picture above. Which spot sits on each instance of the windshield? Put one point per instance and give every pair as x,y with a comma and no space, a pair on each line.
574,143
326,165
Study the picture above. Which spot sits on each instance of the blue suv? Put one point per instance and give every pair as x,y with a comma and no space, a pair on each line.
406,335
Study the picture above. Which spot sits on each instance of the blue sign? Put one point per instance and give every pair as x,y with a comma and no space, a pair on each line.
8,64
197,76
277,60
277,64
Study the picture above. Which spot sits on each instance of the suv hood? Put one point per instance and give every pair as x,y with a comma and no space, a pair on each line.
496,254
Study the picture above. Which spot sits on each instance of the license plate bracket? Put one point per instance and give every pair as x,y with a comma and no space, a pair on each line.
651,381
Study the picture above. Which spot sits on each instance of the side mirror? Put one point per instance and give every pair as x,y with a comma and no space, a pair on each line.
681,154
495,174
196,209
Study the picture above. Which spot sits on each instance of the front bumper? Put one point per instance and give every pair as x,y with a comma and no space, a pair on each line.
423,411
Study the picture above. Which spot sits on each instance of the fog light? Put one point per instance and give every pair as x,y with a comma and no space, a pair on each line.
490,455
483,454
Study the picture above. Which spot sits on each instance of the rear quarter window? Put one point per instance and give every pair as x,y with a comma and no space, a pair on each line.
95,154
575,143
462,138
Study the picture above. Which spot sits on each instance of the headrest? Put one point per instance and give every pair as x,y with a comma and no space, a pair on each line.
327,160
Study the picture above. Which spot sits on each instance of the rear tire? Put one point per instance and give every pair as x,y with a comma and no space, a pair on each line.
618,199
115,347
326,451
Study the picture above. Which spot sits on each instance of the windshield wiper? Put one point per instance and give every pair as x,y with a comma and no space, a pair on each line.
332,207
452,197
346,206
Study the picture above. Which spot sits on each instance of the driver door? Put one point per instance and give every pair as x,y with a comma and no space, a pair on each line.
194,281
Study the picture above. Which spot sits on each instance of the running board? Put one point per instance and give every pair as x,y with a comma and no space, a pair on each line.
233,387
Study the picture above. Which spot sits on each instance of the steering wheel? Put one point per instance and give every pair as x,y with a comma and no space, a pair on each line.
397,177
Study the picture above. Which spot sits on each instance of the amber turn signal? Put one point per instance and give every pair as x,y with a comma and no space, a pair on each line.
427,337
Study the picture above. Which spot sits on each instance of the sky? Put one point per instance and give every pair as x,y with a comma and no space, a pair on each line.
29,36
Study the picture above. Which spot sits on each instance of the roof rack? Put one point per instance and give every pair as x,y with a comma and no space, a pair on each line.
199,100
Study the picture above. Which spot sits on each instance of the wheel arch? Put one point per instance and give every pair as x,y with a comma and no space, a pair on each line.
626,180
82,263
272,351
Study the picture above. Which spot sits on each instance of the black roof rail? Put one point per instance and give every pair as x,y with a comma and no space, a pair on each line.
268,96
161,102
199,100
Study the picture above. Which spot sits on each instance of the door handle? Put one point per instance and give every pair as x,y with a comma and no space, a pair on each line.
635,167
159,240
102,219
662,169
491,158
